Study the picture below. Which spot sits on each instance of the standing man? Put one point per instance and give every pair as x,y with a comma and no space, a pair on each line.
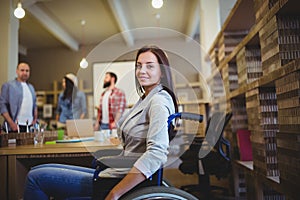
18,101
112,103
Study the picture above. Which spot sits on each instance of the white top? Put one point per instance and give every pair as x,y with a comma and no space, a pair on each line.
105,110
25,112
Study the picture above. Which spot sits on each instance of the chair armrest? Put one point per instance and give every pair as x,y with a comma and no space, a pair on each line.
102,153
118,161
226,143
107,152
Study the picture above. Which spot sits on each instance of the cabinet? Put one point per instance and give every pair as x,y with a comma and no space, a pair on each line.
257,56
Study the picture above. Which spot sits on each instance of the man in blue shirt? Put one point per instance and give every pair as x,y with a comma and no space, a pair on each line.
18,101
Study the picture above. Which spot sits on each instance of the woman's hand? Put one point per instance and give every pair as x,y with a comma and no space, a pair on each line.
112,196
133,178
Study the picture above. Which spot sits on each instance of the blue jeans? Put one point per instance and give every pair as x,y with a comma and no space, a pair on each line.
58,181
104,126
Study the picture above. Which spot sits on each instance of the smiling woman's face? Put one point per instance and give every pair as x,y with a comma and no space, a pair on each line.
148,70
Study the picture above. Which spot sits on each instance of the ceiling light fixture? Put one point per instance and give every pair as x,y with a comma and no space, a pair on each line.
157,18
19,11
157,3
83,63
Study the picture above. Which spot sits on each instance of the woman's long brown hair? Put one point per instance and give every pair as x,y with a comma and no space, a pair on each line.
166,79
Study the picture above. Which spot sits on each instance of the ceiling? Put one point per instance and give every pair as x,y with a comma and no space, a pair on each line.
57,23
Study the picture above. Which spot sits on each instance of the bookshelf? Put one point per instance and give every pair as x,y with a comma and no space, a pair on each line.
192,97
257,53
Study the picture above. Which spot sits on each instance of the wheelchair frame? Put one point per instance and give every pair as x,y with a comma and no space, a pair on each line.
154,187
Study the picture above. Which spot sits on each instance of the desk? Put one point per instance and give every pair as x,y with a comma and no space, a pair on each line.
15,161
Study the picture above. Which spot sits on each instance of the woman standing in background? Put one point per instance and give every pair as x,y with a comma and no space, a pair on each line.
71,101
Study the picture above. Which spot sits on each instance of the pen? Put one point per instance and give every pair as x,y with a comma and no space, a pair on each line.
51,142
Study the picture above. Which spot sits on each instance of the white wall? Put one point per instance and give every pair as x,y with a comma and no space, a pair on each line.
9,41
184,56
213,13
225,8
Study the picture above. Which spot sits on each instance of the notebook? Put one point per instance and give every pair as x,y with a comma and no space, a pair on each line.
245,146
79,128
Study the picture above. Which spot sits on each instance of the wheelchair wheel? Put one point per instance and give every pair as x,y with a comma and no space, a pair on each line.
159,192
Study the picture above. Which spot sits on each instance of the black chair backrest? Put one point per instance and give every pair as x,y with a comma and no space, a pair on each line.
215,127
217,161
222,139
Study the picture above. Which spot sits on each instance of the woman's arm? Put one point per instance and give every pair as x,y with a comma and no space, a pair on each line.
133,178
157,142
83,105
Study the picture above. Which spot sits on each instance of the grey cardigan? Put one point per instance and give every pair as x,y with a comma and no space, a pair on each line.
144,130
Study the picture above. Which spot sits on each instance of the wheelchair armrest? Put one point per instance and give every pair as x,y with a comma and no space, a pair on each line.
107,152
104,152
226,143
118,161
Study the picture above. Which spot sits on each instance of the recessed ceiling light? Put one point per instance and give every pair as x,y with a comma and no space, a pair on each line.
157,3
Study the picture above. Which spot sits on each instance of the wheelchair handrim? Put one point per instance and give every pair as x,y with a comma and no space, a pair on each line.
160,196
159,193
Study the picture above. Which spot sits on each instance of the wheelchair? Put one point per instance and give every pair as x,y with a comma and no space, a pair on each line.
152,188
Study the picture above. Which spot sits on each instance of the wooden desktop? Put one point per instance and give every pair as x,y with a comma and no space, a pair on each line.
15,161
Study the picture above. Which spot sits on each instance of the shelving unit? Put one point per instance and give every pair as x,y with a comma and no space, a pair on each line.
261,76
192,98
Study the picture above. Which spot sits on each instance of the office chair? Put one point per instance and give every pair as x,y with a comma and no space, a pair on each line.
217,162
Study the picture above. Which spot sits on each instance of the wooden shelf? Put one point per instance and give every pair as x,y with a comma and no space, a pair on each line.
200,101
253,31
187,85
247,166
192,98
241,10
257,100
267,79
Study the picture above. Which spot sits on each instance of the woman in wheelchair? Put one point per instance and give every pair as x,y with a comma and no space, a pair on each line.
143,132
